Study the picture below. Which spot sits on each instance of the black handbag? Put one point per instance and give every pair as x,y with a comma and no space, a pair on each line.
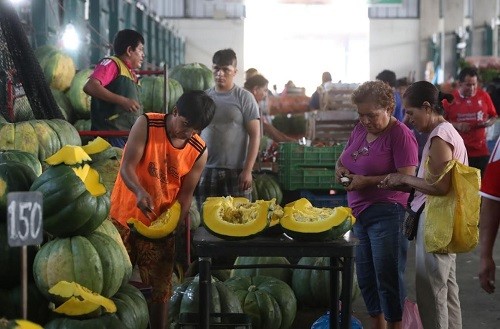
410,222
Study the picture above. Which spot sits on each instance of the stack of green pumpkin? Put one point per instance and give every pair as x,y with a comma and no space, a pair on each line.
310,286
75,209
153,94
18,170
193,76
185,299
42,138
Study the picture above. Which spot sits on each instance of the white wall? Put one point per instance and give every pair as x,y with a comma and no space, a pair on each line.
205,36
394,45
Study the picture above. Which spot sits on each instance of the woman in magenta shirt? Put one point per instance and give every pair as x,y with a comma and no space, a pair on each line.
378,145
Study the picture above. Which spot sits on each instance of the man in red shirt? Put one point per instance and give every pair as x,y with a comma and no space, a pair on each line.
470,113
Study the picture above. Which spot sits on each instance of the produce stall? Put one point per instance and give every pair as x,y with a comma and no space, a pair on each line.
340,251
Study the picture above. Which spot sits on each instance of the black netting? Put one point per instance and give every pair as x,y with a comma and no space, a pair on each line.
20,68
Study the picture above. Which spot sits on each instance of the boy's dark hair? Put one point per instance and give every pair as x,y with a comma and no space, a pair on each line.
467,71
255,81
225,57
197,107
388,77
126,38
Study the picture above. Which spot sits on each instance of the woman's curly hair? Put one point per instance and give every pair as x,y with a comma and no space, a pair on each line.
376,92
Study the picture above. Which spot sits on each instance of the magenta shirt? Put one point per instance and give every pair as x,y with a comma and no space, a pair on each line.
393,149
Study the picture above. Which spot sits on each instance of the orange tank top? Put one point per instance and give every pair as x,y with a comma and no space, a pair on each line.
160,171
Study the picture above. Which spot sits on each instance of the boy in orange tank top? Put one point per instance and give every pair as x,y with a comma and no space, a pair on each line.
162,162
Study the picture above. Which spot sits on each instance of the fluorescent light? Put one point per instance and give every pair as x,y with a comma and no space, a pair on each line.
70,38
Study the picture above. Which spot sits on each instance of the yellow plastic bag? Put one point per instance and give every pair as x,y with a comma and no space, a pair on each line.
451,221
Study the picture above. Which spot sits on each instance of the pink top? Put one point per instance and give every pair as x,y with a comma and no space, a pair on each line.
107,70
393,149
449,134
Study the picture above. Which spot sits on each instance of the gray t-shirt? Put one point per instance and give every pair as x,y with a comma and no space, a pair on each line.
226,136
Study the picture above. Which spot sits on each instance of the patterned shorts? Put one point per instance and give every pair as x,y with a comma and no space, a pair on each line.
220,182
155,261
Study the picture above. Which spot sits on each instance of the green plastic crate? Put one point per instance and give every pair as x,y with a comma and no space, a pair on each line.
313,178
293,155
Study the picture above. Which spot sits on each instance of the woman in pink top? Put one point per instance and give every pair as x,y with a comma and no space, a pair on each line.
436,284
378,145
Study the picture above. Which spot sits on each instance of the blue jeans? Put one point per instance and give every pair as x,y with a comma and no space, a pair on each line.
381,259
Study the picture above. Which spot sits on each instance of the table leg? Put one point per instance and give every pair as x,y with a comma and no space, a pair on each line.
334,294
347,280
205,286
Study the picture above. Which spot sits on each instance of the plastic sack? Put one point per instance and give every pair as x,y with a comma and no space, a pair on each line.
411,317
324,322
451,224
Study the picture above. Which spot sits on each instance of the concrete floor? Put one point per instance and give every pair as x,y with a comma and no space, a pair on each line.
479,309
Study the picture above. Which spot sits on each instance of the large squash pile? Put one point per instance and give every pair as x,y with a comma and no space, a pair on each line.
64,288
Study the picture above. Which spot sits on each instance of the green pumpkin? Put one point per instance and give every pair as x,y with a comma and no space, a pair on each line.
23,157
58,67
41,138
68,207
152,93
283,274
69,259
14,177
268,301
266,187
132,308
77,97
193,76
311,286
110,230
107,321
185,299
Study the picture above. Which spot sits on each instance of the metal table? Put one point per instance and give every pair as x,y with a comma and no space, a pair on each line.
340,251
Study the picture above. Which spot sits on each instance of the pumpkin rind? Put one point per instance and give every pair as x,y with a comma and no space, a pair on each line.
79,300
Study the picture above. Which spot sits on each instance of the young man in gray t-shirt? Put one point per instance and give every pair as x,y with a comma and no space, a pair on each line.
233,136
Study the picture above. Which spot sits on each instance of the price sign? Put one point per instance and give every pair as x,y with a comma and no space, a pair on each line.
24,218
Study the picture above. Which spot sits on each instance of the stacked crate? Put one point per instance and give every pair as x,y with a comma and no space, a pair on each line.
308,167
310,171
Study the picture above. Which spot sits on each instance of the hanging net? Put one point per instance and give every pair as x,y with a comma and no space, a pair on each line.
24,91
